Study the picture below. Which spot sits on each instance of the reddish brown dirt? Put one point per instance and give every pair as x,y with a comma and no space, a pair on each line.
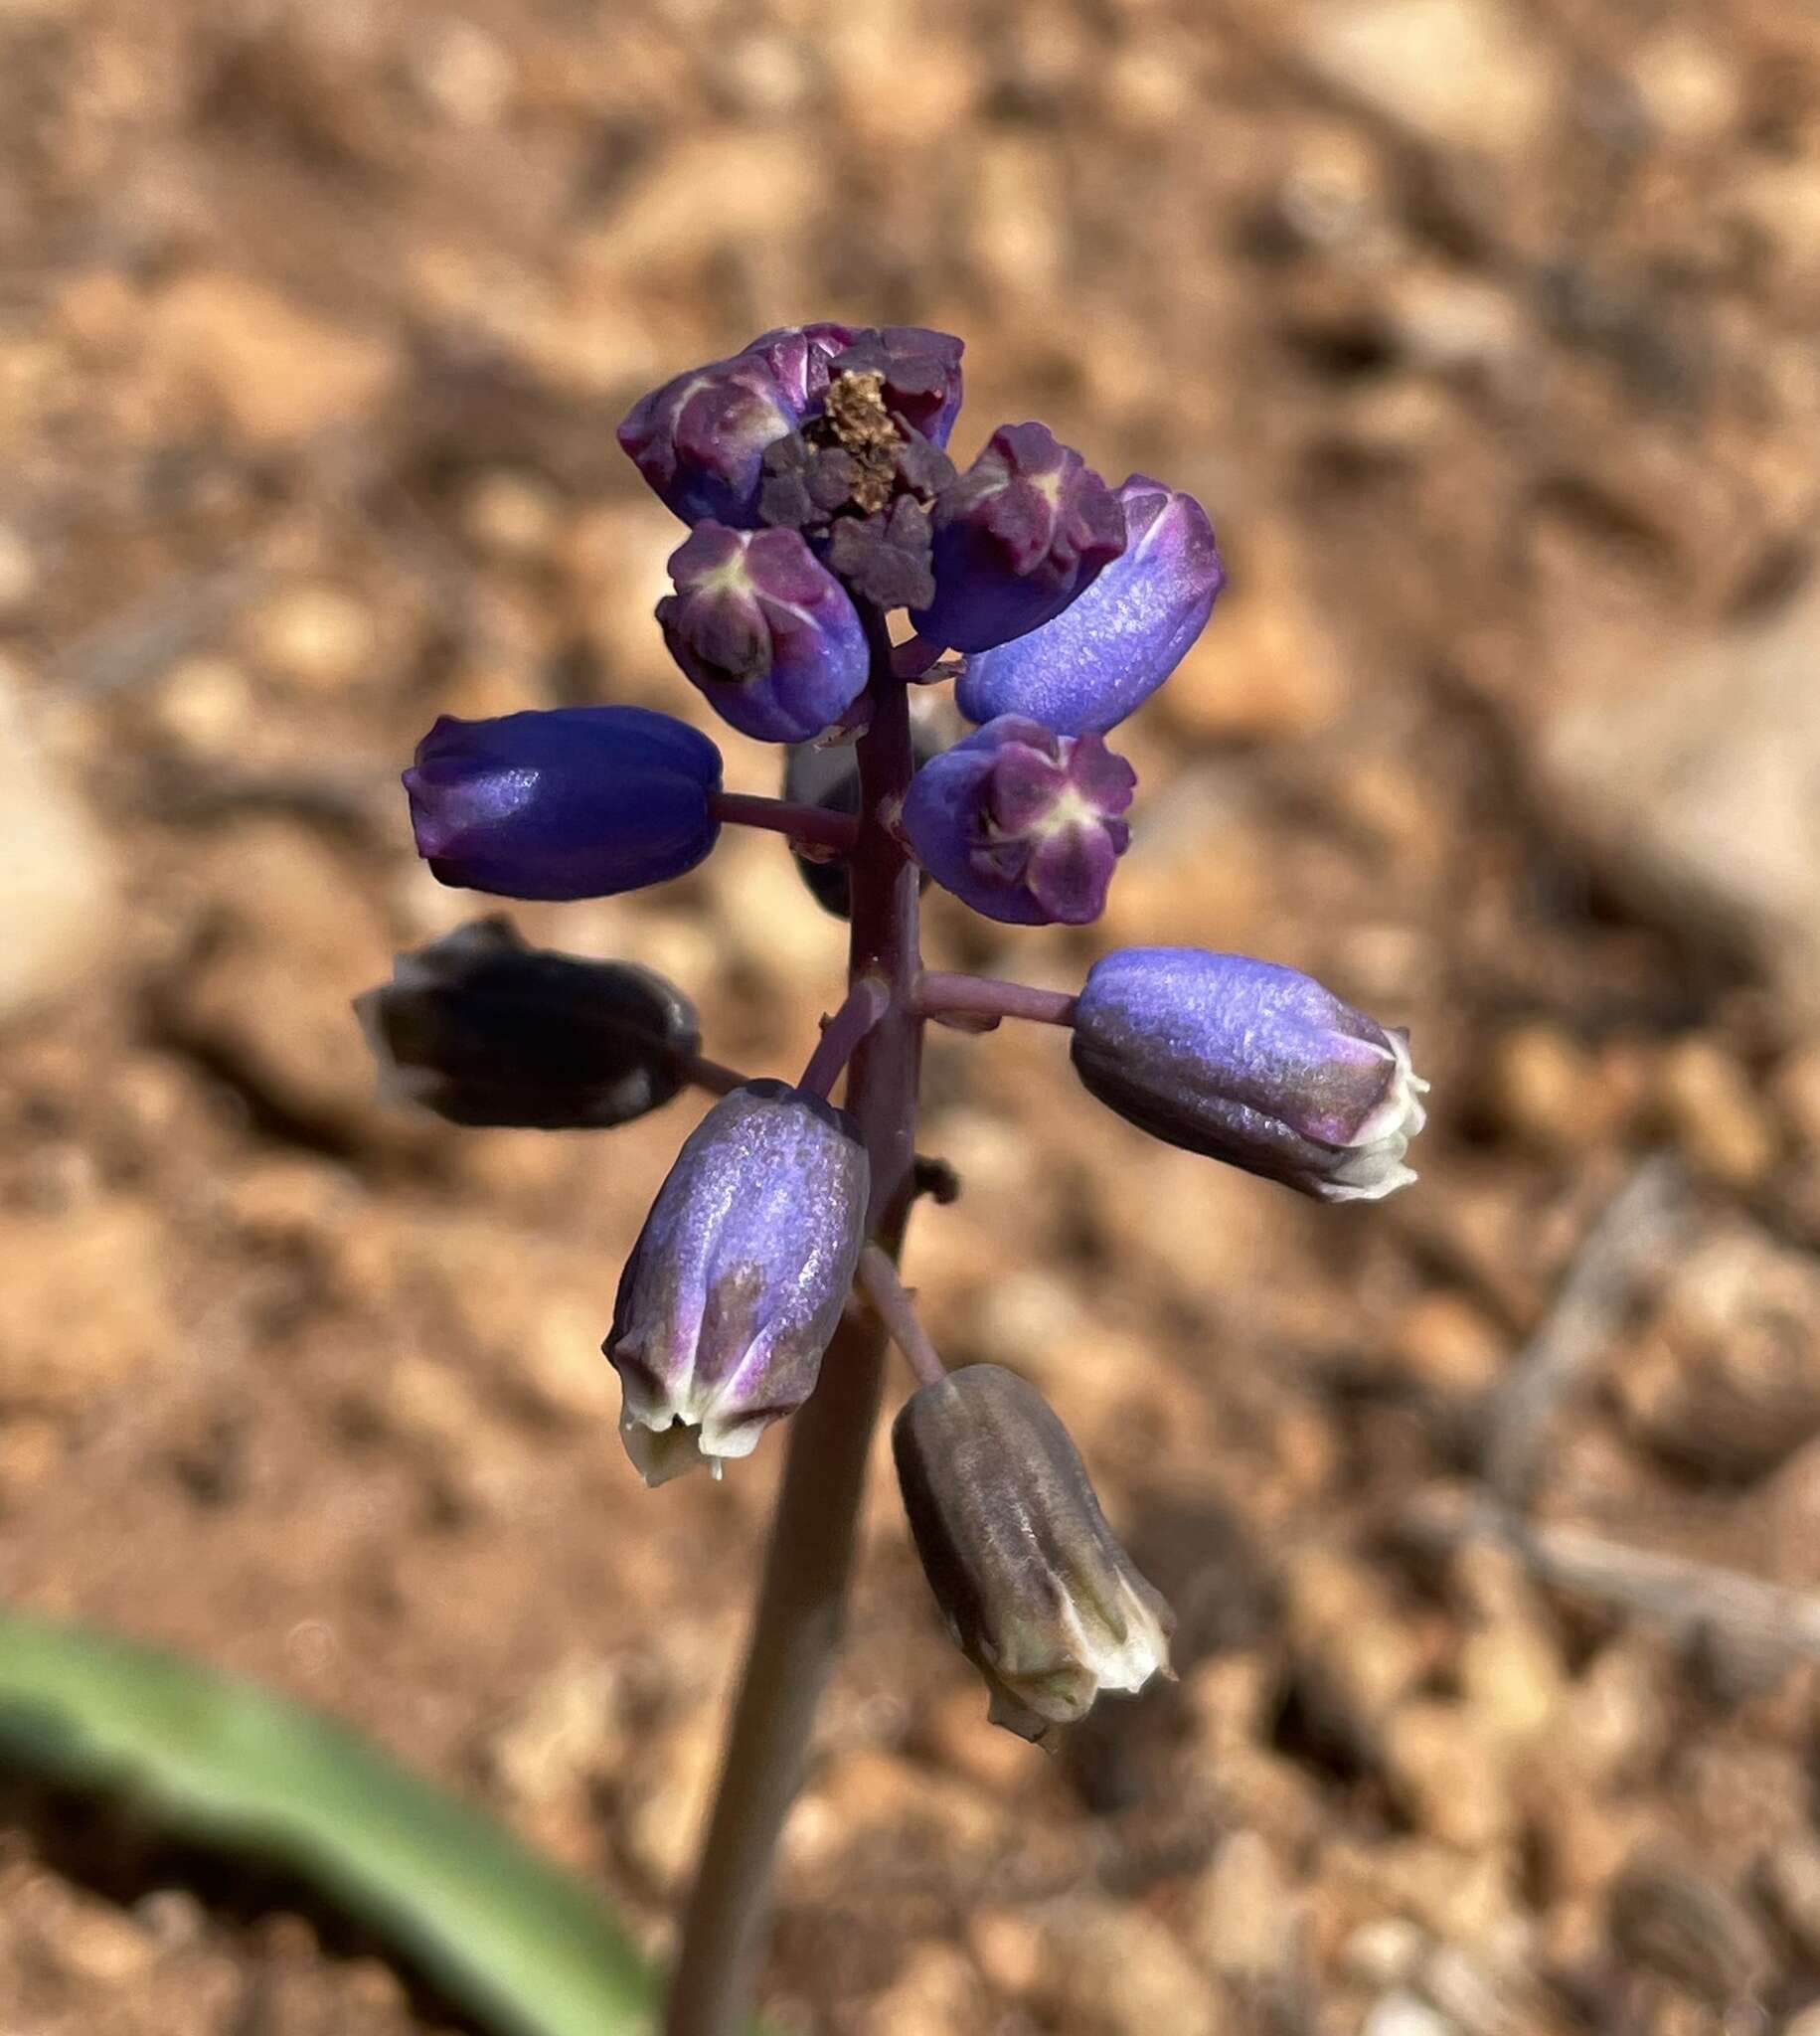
315,325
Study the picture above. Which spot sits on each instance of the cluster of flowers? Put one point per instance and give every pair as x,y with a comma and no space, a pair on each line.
812,468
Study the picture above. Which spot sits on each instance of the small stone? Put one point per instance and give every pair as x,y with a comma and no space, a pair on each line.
1688,82
1544,1087
1667,1915
56,888
1450,1346
1267,668
662,1825
1789,1879
316,637
206,706
1724,1375
280,372
1111,1969
512,515
1451,1774
18,571
1460,73
1241,1917
1690,780
937,1988
1355,1657
1712,1109
1405,2014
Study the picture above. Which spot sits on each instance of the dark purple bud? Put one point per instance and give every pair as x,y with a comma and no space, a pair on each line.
1036,1591
700,440
483,1030
1022,533
799,356
1111,648
1254,1063
765,631
566,802
1022,823
919,371
739,1278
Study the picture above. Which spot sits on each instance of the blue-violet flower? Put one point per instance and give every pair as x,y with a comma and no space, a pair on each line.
1251,1063
563,802
765,631
1114,647
1021,823
1025,530
739,1278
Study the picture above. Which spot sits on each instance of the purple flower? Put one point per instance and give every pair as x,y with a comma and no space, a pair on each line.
700,440
798,355
483,1030
765,631
739,1278
1021,534
919,369
567,802
1110,649
1036,1591
1254,1063
1021,823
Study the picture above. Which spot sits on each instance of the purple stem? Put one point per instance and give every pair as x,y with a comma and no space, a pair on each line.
813,826
802,1599
941,995
896,1307
867,1002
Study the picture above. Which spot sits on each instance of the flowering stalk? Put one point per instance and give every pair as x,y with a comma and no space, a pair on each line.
802,1600
812,473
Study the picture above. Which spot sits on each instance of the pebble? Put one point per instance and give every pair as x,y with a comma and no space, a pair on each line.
1107,1969
1355,1655
57,899
1451,1774
1240,1918
317,636
1710,1107
281,372
1458,73
1691,781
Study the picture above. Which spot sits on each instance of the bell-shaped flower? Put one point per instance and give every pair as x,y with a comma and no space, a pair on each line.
1036,1591
563,802
1024,531
739,1278
1110,648
483,1030
1254,1063
1021,823
700,440
765,631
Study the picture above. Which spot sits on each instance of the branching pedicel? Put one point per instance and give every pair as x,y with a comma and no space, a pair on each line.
811,469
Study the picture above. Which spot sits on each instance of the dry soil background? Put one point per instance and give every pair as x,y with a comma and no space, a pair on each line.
1486,332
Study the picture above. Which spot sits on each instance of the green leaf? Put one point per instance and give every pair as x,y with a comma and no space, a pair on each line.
518,1943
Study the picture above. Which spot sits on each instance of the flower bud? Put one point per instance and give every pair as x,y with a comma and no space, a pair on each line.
564,802
765,631
1110,649
739,1278
1022,823
919,369
700,440
1254,1063
483,1030
1036,1592
1026,529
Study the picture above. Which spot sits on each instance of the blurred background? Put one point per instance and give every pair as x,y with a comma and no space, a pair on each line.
1485,329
